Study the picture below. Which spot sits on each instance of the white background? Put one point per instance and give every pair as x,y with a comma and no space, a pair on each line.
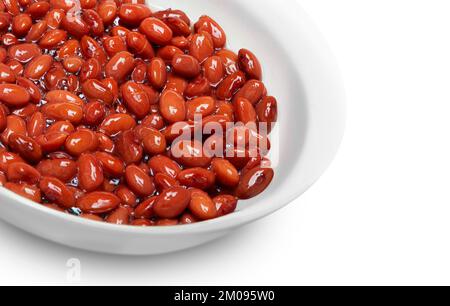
380,215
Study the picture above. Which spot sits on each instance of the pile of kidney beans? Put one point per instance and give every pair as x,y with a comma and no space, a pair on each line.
89,91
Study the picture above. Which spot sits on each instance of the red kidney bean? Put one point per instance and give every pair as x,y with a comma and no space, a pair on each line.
145,209
120,66
38,67
202,206
254,182
27,191
26,147
225,172
225,204
57,191
36,125
267,111
90,172
119,216
126,196
134,13
156,31
190,153
202,46
171,202
197,178
22,172
52,38
14,95
214,69
203,106
62,169
230,85
157,74
81,141
250,64
207,24
253,91
117,123
135,99
98,202
128,147
112,165
186,65
107,10
139,181
172,106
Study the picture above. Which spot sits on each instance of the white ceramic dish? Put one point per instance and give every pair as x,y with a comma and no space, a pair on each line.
299,70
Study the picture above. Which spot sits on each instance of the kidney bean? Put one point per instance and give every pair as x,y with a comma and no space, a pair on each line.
187,218
69,48
225,172
157,74
145,209
27,147
105,144
62,169
180,42
36,31
94,21
254,182
203,106
139,181
12,7
75,25
202,46
197,178
120,66
244,111
207,24
54,18
14,125
172,106
36,125
90,172
112,165
134,13
168,52
63,96
164,181
6,74
135,99
63,111
56,191
113,45
214,69
163,164
250,64
126,196
37,67
230,85
117,123
120,31
25,111
171,202
225,204
73,64
22,172
52,38
202,207
119,216
128,147
186,65
14,95
28,191
253,91
230,60
9,39
170,13
24,52
155,121
92,49
200,86
139,74
267,111
98,202
38,9
95,89
156,31
107,10
94,113
21,24
51,141
8,158
81,141
190,153
91,69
